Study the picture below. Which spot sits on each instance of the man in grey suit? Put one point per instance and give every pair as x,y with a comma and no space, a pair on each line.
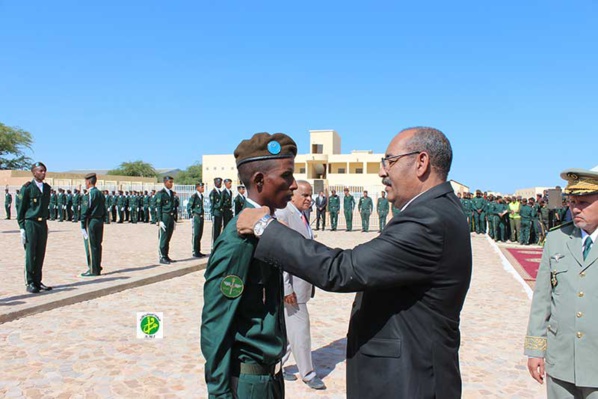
411,280
297,293
562,334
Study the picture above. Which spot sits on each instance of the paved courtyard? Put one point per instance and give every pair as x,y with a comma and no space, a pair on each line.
79,340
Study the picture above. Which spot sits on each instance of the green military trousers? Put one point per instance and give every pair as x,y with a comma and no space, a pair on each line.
349,219
333,220
7,209
248,386
382,220
93,245
35,250
197,232
526,225
165,236
365,221
491,226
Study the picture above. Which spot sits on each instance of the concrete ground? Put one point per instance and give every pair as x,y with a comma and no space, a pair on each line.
79,340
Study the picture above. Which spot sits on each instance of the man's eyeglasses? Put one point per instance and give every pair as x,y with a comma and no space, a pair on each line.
387,162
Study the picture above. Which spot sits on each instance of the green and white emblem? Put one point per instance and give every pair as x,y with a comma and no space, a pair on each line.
232,286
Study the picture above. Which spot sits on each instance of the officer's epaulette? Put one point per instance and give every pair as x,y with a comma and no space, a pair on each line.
26,184
561,226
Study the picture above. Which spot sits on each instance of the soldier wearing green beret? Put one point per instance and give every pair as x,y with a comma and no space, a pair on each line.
7,203
32,216
216,209
92,226
562,333
365,207
382,207
196,211
240,199
243,336
334,206
165,218
348,206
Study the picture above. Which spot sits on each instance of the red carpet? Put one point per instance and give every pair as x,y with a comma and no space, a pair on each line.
528,259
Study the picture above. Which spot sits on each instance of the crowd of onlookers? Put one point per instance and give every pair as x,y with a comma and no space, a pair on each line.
522,220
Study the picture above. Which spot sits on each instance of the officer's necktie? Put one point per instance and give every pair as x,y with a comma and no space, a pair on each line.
587,247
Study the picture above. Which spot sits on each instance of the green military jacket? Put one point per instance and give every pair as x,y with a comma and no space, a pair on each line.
152,200
53,199
491,208
239,203
121,201
563,321
134,202
525,212
348,203
365,205
76,200
164,204
146,201
84,203
195,205
96,206
18,201
243,317
216,202
8,199
544,214
479,204
535,212
61,200
334,203
382,206
227,200
34,203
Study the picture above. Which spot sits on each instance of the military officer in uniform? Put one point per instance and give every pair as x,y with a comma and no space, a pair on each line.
108,204
32,217
239,199
76,206
153,208
7,203
479,212
92,226
216,209
18,200
348,206
61,204
227,203
53,201
146,207
334,206
364,207
195,210
562,334
121,203
165,218
243,328
382,207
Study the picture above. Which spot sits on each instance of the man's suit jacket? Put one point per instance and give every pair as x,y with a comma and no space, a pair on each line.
292,217
321,203
563,321
403,338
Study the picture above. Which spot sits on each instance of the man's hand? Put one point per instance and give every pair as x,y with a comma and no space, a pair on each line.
535,365
248,218
291,299
23,237
162,226
84,234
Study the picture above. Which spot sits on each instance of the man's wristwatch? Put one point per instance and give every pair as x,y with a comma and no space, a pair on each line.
260,226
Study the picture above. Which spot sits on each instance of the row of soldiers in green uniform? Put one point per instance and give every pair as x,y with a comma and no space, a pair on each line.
365,207
517,219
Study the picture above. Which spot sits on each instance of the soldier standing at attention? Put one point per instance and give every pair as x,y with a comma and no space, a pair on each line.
243,334
92,227
348,206
69,205
153,208
146,207
18,200
195,210
120,206
53,205
61,204
7,203
562,333
334,206
165,217
227,203
108,204
216,209
525,212
177,203
76,206
479,212
365,207
382,207
490,212
240,199
32,217
134,206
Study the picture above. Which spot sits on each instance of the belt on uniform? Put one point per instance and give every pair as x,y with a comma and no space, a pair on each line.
260,369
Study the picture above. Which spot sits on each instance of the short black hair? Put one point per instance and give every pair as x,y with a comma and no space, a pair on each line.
247,170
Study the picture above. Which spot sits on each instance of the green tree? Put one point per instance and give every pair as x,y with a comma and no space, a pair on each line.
191,175
13,142
137,168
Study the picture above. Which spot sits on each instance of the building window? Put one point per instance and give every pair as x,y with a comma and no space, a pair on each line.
341,170
359,170
302,171
317,148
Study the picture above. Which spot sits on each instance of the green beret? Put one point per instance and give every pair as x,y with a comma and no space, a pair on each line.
580,182
264,146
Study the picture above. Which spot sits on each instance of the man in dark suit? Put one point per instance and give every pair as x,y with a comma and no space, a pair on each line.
321,203
403,339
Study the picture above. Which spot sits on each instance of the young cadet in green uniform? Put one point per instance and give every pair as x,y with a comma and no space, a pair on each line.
243,334
134,207
177,203
32,217
108,204
69,205
479,212
525,212
216,209
365,208
348,206
92,226
53,205
562,333
7,203
121,203
61,204
153,208
165,218
195,211
84,202
18,200
146,207
382,207
490,213
240,199
227,203
76,206
334,206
